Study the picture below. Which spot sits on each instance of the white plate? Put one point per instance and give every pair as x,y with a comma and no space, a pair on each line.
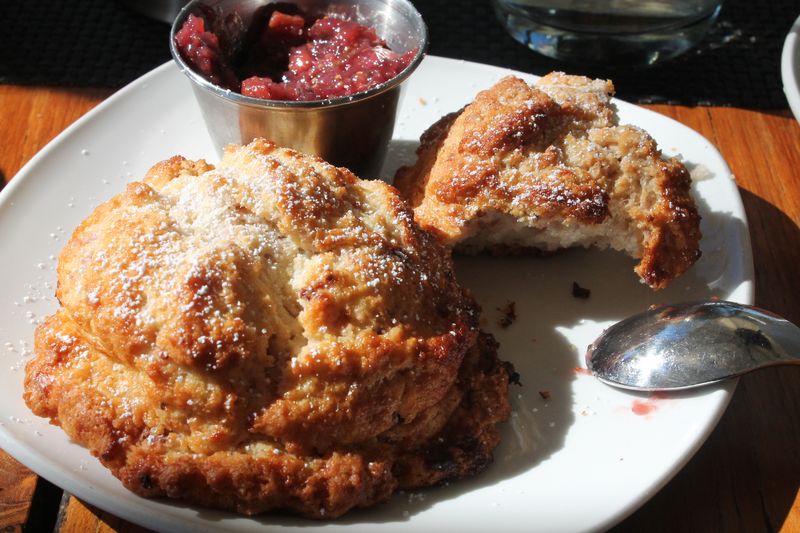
790,68
582,460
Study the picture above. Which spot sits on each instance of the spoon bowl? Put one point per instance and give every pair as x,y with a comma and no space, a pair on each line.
688,345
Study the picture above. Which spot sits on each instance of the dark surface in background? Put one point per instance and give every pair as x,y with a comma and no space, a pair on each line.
102,43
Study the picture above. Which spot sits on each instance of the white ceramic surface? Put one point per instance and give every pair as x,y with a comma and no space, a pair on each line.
790,68
581,460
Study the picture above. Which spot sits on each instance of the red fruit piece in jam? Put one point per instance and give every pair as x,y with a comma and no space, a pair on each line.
200,48
286,27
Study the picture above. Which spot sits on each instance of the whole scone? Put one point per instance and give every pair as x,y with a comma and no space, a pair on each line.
547,167
273,333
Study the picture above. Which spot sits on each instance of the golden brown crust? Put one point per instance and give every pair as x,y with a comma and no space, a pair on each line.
270,334
548,166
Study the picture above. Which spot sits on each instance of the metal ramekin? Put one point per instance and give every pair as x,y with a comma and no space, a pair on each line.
352,131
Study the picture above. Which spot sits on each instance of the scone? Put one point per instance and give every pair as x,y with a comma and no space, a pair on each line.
549,167
273,333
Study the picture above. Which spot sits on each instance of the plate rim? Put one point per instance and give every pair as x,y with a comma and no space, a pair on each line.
790,68
139,510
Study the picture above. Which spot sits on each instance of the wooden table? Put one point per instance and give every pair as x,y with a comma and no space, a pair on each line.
745,478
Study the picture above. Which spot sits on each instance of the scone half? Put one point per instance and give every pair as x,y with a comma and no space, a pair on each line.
269,334
547,167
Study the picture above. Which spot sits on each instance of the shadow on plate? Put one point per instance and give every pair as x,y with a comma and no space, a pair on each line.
538,346
400,152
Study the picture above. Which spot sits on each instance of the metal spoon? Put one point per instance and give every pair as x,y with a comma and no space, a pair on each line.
689,345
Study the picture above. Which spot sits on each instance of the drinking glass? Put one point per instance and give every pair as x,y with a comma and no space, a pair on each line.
611,32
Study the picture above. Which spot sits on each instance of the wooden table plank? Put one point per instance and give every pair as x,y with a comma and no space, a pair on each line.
745,478
76,516
32,116
17,484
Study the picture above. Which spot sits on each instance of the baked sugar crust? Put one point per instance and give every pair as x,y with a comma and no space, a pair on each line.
548,167
269,334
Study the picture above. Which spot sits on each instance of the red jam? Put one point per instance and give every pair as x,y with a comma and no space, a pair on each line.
201,49
292,58
642,408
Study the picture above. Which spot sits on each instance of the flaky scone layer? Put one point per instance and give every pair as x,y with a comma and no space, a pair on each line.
273,333
547,167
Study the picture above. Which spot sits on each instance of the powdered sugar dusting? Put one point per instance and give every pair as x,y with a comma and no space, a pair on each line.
239,270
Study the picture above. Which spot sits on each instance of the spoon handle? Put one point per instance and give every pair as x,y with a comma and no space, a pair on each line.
770,338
